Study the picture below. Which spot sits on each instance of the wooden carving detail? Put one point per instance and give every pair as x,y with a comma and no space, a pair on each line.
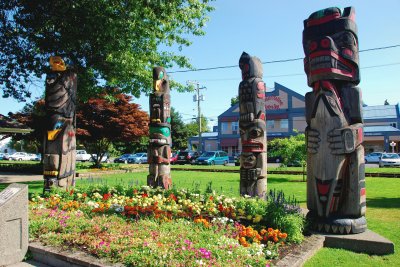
335,157
59,142
159,151
253,160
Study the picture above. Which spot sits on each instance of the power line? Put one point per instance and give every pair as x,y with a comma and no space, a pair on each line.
295,74
277,61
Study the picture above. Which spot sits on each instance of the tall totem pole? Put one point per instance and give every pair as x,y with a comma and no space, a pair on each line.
253,160
159,151
59,142
335,156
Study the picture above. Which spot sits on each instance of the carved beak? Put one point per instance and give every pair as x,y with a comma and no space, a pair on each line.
157,85
52,135
57,64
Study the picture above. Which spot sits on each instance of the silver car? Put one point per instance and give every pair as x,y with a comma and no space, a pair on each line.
389,160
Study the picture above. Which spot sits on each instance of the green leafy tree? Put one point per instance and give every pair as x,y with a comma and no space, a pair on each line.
180,133
292,149
234,100
113,42
193,126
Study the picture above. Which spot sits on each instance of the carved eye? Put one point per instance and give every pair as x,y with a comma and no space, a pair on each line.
254,133
325,43
58,125
313,45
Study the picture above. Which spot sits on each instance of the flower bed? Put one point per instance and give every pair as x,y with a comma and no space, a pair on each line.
154,227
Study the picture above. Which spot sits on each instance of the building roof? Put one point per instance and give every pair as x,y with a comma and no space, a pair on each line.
380,128
380,112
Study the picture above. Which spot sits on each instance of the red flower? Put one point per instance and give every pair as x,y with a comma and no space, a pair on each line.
106,196
145,195
71,192
173,197
211,198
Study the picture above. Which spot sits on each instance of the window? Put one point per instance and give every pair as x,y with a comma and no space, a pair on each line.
235,127
225,148
285,124
224,127
393,125
270,124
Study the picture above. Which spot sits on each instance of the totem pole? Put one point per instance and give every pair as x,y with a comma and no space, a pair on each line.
59,142
253,160
159,151
335,156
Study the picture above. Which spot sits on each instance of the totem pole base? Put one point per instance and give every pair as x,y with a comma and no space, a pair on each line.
163,181
339,226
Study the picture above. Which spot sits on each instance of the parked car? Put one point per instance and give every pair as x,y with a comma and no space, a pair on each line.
373,157
33,157
4,156
213,158
174,158
19,156
138,158
123,158
187,157
389,160
82,155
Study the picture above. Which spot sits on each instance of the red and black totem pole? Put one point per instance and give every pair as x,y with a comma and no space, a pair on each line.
252,124
59,142
335,156
159,151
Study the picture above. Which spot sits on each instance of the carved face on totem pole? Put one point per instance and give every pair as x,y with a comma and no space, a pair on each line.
335,158
60,142
252,127
159,151
331,46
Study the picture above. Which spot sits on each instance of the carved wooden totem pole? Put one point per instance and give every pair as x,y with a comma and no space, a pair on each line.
335,157
253,160
59,142
159,151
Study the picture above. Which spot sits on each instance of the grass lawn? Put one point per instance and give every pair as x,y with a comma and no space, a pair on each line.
383,206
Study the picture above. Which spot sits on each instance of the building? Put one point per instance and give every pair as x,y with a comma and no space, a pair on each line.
285,115
381,128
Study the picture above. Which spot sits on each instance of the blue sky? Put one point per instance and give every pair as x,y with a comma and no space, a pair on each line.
272,30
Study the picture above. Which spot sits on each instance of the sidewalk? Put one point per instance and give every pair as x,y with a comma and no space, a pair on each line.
9,177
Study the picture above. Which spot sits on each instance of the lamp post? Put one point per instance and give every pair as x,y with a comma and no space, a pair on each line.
392,144
197,98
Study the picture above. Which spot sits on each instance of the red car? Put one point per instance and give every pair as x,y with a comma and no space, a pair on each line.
174,158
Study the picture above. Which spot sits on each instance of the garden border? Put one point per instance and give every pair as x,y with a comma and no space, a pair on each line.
53,256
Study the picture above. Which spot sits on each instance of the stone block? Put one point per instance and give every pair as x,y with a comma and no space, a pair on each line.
367,242
13,224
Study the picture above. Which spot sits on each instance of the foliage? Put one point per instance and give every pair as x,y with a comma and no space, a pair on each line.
108,118
234,100
193,126
291,149
180,132
74,218
33,116
22,167
112,42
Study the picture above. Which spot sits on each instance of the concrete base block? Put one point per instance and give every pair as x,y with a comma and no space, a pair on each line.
367,242
301,254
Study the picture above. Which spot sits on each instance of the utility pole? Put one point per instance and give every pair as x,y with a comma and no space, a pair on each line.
197,98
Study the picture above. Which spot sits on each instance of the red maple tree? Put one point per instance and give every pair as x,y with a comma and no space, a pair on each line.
109,117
